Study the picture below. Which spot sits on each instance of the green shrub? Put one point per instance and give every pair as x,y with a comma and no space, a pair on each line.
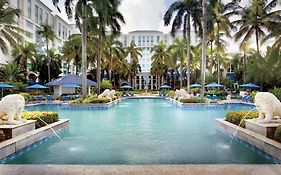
2,136
106,84
276,92
26,96
48,117
171,93
192,100
79,100
217,93
100,100
277,133
236,117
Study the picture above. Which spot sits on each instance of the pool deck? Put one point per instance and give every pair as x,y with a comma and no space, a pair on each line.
140,169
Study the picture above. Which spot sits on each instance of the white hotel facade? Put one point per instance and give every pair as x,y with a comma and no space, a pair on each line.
146,39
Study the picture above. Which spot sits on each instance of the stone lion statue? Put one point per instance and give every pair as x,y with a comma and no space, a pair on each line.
181,94
12,105
110,94
268,106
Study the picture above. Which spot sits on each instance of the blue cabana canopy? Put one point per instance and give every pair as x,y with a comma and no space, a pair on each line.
70,79
165,87
195,85
126,87
4,85
36,86
249,85
71,86
213,85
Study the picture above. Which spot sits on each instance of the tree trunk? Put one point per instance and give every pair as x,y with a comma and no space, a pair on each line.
244,68
84,58
203,65
217,51
98,73
49,69
181,75
257,40
188,52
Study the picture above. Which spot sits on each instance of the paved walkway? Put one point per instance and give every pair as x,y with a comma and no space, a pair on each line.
140,169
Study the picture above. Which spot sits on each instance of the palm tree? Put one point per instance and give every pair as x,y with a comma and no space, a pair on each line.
23,54
49,35
113,54
159,58
204,45
276,33
12,72
133,52
179,49
107,16
186,10
72,49
256,20
9,33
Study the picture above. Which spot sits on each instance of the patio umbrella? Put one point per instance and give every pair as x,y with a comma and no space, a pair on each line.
213,85
165,87
71,86
126,87
4,85
249,85
36,86
195,85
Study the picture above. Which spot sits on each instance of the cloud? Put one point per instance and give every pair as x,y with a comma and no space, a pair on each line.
143,14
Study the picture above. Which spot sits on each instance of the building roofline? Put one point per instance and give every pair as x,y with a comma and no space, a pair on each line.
155,31
40,1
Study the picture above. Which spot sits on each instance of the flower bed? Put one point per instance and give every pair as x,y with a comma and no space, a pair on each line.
91,99
48,117
237,116
192,100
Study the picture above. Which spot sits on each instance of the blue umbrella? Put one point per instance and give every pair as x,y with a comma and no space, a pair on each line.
36,86
71,86
4,85
126,87
195,85
213,85
165,87
249,85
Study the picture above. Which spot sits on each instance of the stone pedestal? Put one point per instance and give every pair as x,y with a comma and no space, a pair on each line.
266,129
11,131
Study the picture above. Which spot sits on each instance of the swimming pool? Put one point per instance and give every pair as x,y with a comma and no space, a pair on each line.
141,131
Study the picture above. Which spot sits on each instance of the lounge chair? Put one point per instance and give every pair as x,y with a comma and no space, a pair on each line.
49,98
40,98
76,97
66,98
31,99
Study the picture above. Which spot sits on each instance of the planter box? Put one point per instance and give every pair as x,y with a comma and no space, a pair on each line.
11,131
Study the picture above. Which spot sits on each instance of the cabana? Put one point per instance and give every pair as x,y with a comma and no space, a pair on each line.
67,84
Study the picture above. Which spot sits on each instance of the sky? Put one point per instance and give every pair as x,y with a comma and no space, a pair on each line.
145,14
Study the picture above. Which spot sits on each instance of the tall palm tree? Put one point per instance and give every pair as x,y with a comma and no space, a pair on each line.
204,47
133,52
179,47
49,35
159,58
186,10
10,33
256,20
23,54
276,34
106,16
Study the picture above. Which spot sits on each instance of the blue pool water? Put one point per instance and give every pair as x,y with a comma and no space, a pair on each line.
141,131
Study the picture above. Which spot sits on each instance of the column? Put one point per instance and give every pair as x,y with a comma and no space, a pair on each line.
140,82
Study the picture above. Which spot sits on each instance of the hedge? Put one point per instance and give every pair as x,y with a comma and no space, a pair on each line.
91,99
48,117
2,136
276,92
192,100
171,93
236,117
277,134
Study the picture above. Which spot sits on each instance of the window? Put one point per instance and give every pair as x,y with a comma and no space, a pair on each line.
151,41
53,23
46,18
139,41
18,4
166,39
36,14
69,33
133,38
143,40
40,16
29,24
63,32
158,39
125,41
29,9
147,40
59,31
